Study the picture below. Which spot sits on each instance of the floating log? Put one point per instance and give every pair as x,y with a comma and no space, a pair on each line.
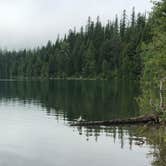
130,121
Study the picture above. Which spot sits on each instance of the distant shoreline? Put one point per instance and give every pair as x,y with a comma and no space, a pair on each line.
50,78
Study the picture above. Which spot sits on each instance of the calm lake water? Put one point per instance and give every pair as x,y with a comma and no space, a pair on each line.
35,129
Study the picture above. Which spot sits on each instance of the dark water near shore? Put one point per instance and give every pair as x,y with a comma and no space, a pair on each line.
35,117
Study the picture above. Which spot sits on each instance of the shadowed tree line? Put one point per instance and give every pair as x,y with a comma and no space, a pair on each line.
95,51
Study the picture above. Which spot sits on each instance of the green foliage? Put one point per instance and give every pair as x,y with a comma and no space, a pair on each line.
154,58
90,64
96,51
154,52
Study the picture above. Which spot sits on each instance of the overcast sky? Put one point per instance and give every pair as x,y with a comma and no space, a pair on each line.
31,23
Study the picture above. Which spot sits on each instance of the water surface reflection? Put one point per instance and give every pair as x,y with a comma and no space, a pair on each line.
35,117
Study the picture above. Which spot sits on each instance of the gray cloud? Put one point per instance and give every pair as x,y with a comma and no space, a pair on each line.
29,23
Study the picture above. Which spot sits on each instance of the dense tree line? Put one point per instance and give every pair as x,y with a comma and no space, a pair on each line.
153,81
112,50
154,52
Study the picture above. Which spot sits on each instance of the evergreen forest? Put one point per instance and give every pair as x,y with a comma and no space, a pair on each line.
131,47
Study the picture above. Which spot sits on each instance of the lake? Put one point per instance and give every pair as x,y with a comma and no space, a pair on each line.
35,119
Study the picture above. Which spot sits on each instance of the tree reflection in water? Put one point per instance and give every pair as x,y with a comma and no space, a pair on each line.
93,100
153,136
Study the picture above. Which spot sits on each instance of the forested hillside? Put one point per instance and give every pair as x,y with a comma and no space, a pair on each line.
95,51
128,47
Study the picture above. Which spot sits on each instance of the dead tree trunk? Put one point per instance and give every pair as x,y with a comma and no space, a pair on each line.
130,121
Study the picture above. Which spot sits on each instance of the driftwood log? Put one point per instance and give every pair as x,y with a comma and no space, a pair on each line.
130,121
